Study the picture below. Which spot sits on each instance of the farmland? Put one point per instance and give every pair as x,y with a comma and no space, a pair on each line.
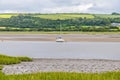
57,32
64,16
53,16
7,15
107,16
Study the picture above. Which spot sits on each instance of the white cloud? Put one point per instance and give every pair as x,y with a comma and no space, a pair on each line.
63,6
68,9
8,11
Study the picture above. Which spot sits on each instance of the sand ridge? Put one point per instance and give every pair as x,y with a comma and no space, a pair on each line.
67,37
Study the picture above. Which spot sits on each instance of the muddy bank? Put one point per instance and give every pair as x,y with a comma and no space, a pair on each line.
63,65
67,37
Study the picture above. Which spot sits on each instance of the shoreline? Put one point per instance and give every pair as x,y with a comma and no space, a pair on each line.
66,37
63,65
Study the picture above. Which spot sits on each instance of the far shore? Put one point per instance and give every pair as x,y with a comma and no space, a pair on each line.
66,37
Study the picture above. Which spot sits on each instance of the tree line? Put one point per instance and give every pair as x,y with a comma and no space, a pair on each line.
30,23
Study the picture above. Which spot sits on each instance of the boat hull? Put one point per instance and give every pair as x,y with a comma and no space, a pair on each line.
60,40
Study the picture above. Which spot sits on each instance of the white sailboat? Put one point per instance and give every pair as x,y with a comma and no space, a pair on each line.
59,38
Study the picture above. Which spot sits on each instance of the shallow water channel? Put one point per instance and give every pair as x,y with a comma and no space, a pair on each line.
77,50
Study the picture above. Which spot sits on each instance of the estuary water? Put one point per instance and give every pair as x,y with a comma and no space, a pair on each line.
75,50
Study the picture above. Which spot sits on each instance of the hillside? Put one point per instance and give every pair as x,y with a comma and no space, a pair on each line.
52,16
63,16
106,16
52,22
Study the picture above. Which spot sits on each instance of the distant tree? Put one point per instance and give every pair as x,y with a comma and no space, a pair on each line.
115,13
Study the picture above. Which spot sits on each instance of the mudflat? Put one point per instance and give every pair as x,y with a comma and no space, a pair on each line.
63,65
67,37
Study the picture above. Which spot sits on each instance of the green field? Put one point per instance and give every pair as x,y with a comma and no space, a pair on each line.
107,16
64,16
7,15
63,76
55,32
53,16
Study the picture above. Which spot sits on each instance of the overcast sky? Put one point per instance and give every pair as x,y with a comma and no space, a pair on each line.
60,6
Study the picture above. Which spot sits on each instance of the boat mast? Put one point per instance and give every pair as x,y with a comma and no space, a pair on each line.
60,29
59,39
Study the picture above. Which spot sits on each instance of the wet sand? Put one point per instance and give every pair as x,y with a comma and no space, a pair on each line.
63,65
67,37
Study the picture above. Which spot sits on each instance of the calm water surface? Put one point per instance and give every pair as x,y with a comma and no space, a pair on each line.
81,50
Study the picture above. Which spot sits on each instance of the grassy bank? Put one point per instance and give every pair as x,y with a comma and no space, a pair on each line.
1,67
12,60
52,75
55,32
63,76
